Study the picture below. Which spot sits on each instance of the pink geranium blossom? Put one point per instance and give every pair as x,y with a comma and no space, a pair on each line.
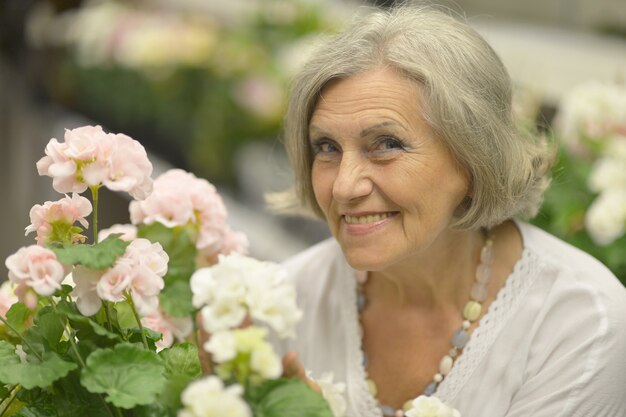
180,199
128,232
91,157
138,273
54,219
172,328
36,267
7,297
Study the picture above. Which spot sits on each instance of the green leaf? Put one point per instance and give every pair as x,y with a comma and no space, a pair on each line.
127,374
18,315
175,299
179,245
35,373
87,328
181,367
100,256
288,398
50,326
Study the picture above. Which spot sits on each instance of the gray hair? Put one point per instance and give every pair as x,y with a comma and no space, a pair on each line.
467,99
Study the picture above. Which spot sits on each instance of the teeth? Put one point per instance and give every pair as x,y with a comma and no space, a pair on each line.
365,219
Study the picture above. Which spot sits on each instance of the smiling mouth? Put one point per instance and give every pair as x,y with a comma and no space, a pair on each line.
370,218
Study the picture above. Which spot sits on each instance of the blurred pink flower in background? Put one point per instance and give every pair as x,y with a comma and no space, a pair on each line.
7,298
172,328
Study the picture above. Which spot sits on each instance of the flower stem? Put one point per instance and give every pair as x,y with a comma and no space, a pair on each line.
11,397
18,334
107,312
94,197
129,298
71,337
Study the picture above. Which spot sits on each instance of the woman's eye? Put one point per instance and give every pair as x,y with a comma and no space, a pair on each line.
388,144
324,147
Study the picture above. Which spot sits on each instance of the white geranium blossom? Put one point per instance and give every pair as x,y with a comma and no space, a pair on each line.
265,362
208,397
333,393
606,218
592,110
222,314
240,285
424,406
610,171
222,346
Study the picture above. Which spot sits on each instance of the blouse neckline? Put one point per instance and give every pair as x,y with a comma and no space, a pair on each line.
508,299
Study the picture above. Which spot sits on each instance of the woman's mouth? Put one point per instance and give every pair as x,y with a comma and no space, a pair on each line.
369,218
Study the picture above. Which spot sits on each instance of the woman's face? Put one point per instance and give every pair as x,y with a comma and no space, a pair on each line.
388,186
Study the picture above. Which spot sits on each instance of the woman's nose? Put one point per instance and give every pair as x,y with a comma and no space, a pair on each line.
352,181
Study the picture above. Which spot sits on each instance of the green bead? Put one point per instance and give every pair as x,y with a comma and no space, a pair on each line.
472,310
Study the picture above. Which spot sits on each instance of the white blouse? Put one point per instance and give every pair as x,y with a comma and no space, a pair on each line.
552,344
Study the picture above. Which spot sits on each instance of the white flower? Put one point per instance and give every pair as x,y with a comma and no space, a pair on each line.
239,285
333,392
606,218
277,308
592,110
265,362
222,346
222,314
208,397
610,170
424,406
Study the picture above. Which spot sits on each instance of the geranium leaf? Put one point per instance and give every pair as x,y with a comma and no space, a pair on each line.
18,315
86,327
35,373
179,246
291,398
50,326
127,374
100,256
181,367
175,299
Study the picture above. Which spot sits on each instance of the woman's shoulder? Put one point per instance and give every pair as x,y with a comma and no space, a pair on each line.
573,282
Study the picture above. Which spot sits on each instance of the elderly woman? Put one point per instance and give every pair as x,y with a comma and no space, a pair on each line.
401,136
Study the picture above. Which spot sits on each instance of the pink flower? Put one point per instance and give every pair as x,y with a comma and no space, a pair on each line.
181,199
128,168
91,157
61,168
36,267
116,281
128,232
53,220
85,290
7,298
170,327
138,273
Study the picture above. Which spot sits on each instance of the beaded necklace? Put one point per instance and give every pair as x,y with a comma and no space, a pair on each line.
471,312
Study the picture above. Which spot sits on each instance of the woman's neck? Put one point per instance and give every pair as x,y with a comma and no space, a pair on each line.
437,278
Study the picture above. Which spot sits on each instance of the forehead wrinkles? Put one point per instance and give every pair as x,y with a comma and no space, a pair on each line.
377,101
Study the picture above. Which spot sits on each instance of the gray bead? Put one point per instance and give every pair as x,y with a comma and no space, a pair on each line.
430,389
388,410
360,302
460,339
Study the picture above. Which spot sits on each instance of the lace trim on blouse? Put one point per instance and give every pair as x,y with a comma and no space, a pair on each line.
507,301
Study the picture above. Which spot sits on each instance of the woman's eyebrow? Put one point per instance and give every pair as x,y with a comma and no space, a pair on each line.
316,130
369,130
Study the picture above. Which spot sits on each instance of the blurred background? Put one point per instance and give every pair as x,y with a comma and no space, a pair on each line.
202,85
